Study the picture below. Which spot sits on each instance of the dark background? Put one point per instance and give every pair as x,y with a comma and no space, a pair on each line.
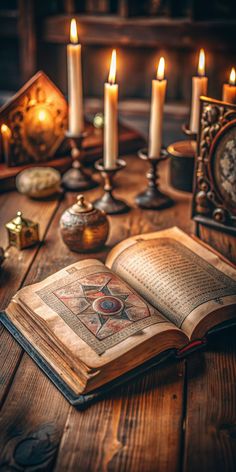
34,35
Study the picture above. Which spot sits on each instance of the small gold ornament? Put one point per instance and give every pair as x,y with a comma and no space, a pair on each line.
83,227
22,232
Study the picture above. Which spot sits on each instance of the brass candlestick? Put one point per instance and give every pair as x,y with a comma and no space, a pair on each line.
152,198
187,131
77,178
108,202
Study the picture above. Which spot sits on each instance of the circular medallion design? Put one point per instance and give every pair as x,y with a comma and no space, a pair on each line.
108,305
224,167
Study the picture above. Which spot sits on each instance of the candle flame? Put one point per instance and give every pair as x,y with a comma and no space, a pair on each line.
73,32
161,69
112,73
42,115
232,77
5,130
201,63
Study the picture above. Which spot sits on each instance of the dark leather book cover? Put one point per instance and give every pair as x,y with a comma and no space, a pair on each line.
82,401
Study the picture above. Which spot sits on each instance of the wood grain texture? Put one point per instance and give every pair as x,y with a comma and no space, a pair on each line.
27,36
17,262
210,439
133,430
142,32
30,423
222,242
14,270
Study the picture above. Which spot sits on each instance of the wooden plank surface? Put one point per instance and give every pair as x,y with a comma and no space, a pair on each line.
210,442
144,32
139,427
14,270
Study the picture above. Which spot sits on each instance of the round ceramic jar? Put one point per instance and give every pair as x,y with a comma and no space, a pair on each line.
38,182
83,227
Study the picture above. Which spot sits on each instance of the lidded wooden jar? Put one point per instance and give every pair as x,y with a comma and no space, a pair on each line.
83,227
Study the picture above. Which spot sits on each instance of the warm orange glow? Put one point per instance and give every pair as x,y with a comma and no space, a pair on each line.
73,32
112,73
42,115
161,69
5,130
201,63
232,77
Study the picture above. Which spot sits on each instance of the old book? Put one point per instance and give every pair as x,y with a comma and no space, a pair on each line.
92,323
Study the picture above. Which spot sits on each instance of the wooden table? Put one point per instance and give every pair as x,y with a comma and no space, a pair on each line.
180,416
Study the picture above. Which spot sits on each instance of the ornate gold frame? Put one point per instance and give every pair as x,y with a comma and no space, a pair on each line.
210,207
37,119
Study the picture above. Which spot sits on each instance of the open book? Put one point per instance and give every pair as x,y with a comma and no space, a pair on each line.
92,322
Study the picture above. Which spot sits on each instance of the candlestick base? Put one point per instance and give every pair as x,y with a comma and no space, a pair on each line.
152,198
108,202
187,131
76,178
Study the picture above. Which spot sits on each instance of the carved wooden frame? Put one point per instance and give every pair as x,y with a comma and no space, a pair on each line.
209,207
20,113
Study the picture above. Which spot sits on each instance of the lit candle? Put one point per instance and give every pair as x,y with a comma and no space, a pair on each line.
75,93
157,106
6,136
41,121
41,128
229,90
41,116
110,117
199,87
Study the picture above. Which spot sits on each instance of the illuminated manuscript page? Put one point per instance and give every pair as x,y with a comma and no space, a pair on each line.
181,278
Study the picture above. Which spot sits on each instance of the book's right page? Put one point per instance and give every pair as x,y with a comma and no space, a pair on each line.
189,284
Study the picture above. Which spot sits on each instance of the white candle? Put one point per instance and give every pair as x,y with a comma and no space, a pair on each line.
199,87
110,117
157,107
6,136
75,93
229,90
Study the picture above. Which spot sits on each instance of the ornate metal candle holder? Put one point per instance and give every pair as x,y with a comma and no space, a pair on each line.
77,178
187,131
152,198
108,202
